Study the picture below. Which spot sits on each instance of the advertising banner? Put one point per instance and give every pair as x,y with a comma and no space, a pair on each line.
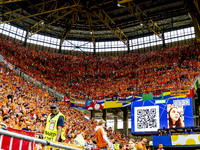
185,139
179,92
189,139
80,103
112,102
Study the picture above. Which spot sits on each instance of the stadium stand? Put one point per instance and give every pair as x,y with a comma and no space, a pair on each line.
21,99
25,107
174,68
151,62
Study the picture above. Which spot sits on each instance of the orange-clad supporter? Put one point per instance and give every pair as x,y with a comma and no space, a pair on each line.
6,120
141,145
101,137
160,147
90,77
86,77
12,121
19,125
5,108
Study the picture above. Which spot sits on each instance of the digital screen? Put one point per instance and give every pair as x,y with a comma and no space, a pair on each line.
149,116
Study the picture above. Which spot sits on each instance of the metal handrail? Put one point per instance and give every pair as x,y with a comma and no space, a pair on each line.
35,140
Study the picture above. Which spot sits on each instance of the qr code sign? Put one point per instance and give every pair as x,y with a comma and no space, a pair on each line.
146,118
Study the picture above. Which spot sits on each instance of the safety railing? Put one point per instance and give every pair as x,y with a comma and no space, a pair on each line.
32,141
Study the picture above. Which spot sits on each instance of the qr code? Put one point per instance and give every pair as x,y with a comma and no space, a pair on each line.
146,118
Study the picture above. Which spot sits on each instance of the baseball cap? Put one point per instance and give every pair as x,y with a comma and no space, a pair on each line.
54,105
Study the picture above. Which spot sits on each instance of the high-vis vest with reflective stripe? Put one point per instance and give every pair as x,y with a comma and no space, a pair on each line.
51,128
116,145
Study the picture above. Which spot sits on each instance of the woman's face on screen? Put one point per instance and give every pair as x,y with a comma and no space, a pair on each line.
174,114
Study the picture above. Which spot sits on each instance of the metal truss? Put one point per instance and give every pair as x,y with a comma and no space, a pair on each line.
123,1
90,25
74,19
103,16
42,11
29,7
196,2
9,1
41,25
139,14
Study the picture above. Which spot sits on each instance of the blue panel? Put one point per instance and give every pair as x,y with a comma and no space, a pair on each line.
164,140
159,108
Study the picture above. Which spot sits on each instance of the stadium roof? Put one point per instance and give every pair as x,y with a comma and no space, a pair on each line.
96,20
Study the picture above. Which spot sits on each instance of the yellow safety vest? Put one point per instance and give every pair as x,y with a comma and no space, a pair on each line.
51,129
116,145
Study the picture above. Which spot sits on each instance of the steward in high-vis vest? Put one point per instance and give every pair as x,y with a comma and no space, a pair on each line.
54,130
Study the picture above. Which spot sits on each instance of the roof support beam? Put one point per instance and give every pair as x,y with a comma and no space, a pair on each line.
196,25
123,1
9,1
31,7
39,26
139,14
90,25
41,13
74,19
196,3
107,20
194,16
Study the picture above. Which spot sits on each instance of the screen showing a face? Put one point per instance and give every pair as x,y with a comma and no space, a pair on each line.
175,116
149,116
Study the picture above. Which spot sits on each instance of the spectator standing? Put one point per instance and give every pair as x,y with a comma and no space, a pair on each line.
141,145
185,132
122,146
191,131
160,147
54,130
131,144
169,132
101,137
116,145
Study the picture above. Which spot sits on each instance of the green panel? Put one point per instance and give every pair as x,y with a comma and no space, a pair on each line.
147,97
197,84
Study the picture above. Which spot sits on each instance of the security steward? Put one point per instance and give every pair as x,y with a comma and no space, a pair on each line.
54,130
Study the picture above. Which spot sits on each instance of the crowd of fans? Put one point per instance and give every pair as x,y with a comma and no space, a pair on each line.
26,107
90,77
168,132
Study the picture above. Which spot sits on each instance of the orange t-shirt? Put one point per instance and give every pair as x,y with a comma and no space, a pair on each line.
140,146
99,137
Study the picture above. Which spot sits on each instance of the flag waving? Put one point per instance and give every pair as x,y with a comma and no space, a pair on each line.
87,117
